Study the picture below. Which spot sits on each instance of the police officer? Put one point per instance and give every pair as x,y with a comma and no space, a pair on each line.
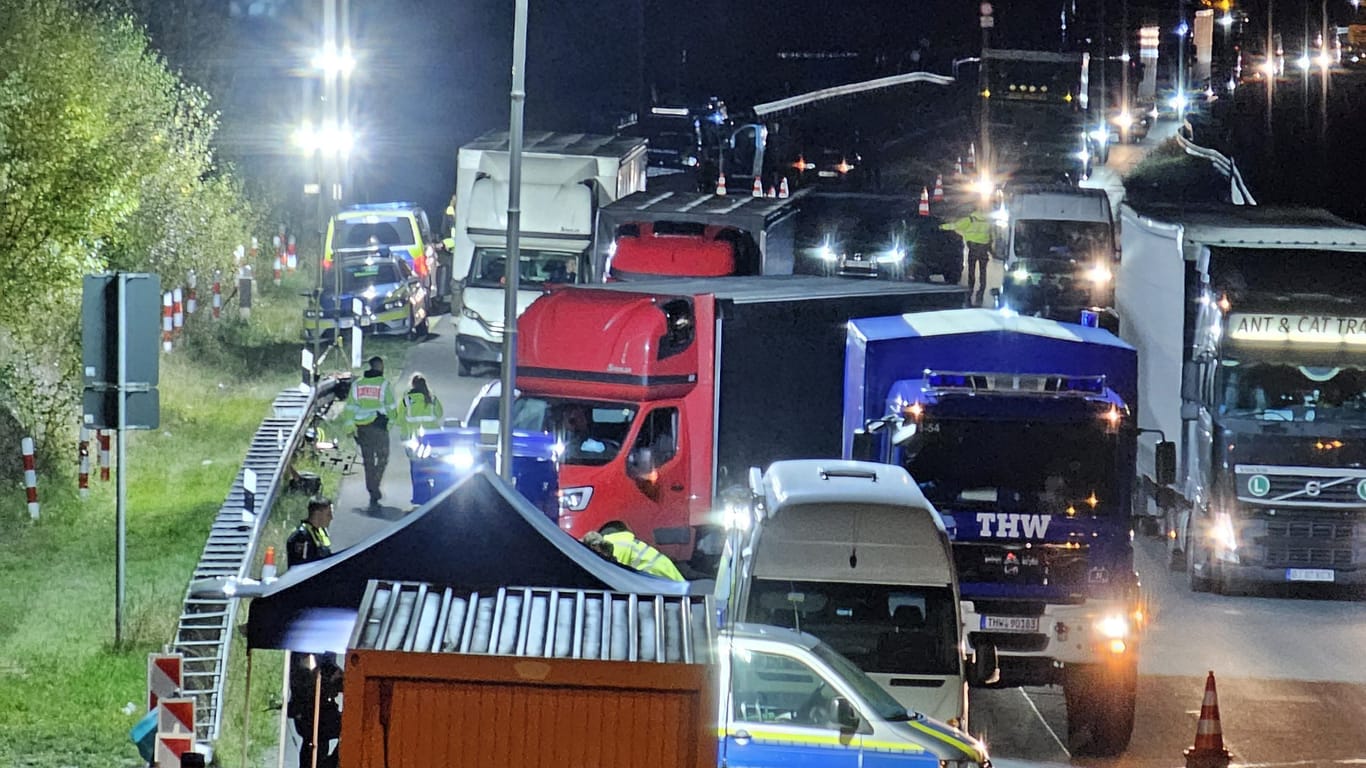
314,680
976,231
369,407
419,410
634,553
310,541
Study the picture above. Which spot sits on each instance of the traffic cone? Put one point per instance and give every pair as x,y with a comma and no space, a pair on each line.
268,566
924,202
772,192
939,188
721,184
783,194
758,189
1208,751
958,166
972,155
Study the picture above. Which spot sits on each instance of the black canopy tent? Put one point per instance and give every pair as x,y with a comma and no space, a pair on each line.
481,534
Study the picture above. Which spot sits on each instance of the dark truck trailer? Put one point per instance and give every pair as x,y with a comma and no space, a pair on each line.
745,370
765,228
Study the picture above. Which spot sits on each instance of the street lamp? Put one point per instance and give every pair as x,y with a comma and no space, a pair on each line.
327,143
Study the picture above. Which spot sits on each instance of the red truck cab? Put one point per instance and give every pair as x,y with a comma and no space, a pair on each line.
663,393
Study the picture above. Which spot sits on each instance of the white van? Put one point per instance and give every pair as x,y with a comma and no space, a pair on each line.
852,553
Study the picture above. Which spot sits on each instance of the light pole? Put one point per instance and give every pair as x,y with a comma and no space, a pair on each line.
984,92
513,267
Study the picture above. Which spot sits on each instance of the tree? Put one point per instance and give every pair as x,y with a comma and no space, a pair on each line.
106,162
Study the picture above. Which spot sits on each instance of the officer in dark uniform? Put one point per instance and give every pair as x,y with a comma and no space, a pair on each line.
314,674
310,541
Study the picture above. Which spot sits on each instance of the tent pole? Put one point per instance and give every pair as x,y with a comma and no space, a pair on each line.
246,712
284,714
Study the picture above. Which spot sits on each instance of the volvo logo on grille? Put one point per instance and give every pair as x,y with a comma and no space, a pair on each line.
1313,487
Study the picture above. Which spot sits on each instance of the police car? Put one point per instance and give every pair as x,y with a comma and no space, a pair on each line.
373,288
403,228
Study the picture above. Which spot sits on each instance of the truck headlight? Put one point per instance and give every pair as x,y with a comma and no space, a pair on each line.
575,499
1224,536
1114,626
1019,274
471,314
826,252
1099,274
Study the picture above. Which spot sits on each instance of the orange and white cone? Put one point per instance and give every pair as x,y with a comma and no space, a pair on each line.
972,155
958,166
268,566
772,192
924,209
1208,751
782,189
721,184
758,189
939,188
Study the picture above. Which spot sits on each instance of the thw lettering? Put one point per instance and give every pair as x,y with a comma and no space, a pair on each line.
1012,525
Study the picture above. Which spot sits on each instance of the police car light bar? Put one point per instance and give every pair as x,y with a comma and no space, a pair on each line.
1015,383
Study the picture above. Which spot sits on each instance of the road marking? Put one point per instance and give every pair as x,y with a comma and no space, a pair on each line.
1046,726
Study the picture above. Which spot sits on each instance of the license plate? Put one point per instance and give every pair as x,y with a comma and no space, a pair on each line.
1308,574
1010,623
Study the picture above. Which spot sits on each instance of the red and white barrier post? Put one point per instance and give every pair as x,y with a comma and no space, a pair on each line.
217,293
167,321
30,477
279,243
177,310
104,436
83,479
191,295
291,255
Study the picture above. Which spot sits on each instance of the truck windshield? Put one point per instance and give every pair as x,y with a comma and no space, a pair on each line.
489,268
1055,468
1065,241
590,431
1282,392
881,628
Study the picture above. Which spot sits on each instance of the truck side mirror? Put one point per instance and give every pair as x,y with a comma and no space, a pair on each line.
985,668
640,463
865,446
1164,457
1190,382
845,715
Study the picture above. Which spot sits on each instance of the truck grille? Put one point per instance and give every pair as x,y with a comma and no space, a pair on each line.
1047,565
1303,539
1300,487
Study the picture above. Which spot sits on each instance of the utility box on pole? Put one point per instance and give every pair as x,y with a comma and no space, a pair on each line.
101,328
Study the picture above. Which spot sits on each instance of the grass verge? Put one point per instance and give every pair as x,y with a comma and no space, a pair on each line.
68,692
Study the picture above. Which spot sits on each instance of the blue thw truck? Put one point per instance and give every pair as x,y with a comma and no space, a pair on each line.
1019,430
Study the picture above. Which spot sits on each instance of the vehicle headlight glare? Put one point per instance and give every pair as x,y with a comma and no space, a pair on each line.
1223,533
1019,274
1099,274
461,458
1113,627
891,257
826,252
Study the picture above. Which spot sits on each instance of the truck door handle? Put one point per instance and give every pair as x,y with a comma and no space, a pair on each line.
741,737
676,487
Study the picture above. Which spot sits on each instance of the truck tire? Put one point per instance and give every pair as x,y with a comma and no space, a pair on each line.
1199,581
1100,708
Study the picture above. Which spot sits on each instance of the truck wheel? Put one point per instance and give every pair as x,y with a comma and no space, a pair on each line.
1199,581
1100,708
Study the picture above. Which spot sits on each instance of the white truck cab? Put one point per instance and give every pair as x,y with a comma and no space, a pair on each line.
853,553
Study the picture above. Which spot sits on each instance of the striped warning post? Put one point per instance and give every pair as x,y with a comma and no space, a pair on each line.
103,436
191,294
83,453
167,320
164,677
30,477
1208,751
170,747
291,255
175,716
178,309
218,293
